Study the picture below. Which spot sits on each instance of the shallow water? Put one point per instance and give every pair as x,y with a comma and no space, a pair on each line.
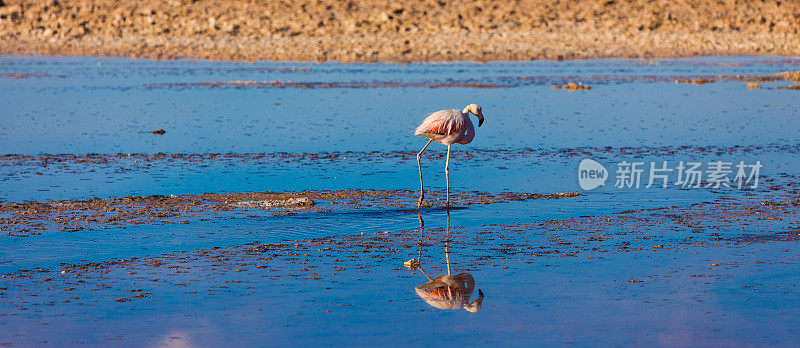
93,105
670,271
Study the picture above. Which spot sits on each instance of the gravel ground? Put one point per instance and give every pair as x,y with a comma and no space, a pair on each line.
398,31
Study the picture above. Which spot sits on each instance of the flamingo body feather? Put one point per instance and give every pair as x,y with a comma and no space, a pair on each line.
447,127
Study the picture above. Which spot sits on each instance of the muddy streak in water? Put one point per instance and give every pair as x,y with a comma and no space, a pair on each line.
22,219
556,82
145,160
568,82
295,84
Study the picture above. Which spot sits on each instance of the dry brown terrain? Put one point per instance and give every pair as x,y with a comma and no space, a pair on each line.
408,30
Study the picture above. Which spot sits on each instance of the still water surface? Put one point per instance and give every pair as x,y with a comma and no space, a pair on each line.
532,141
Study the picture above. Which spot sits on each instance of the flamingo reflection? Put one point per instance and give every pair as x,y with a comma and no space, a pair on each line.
447,291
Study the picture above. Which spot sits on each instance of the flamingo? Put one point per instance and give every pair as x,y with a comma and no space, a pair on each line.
447,127
451,292
447,291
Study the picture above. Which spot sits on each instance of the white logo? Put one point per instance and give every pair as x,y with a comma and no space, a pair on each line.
591,174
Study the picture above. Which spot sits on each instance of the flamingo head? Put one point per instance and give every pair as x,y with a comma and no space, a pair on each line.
412,264
476,110
477,304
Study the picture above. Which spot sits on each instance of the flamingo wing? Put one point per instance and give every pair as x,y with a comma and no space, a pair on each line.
437,127
439,124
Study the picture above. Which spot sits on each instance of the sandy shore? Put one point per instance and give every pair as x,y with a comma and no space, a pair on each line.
411,30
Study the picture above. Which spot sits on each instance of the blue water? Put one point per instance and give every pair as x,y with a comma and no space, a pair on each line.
109,106
95,105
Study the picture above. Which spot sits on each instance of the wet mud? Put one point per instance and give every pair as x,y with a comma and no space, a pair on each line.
31,218
178,159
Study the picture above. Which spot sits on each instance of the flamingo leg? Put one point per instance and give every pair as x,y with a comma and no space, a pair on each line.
447,244
421,234
447,254
447,174
419,166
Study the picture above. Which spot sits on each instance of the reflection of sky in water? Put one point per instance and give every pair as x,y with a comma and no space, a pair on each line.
483,173
546,300
106,83
103,106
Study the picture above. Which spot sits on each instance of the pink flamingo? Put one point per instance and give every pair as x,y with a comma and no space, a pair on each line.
451,292
447,127
447,291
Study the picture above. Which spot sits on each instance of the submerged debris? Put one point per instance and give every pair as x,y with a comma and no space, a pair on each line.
696,81
793,76
27,75
19,76
280,203
753,85
315,84
572,86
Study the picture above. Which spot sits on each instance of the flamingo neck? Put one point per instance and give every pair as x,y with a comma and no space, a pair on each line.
466,111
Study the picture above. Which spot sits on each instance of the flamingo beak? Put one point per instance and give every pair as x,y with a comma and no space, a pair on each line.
480,118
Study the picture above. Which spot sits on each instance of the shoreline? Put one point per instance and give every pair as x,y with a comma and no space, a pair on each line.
411,31
166,58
